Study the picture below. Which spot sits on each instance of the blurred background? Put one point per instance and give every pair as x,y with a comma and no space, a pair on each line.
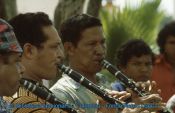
122,19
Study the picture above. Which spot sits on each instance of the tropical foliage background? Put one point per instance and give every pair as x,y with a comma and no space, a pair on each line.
142,21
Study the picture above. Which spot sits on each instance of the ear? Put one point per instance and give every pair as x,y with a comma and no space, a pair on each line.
69,48
29,51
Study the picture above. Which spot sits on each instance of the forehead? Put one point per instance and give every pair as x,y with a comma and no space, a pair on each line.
170,38
92,33
142,58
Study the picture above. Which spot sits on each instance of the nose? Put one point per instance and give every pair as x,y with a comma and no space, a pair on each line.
20,68
144,68
100,49
60,53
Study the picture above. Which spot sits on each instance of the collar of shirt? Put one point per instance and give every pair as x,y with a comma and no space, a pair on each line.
71,82
4,106
160,59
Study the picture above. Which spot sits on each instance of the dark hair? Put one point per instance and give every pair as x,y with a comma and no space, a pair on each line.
165,32
71,29
134,47
28,28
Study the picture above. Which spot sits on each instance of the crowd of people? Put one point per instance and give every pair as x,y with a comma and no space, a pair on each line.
31,49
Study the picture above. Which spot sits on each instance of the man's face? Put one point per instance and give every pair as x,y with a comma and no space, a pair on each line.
139,68
47,58
90,50
10,70
170,48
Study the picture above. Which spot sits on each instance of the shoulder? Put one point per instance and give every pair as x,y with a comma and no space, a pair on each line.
159,59
24,104
25,99
64,85
64,93
65,89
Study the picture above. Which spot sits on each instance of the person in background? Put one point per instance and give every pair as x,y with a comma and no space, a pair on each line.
42,53
164,66
171,104
10,66
84,45
134,58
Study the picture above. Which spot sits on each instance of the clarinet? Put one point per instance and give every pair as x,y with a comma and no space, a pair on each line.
127,81
121,77
100,91
48,96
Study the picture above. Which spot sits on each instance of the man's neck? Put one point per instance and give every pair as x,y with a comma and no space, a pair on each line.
31,76
89,75
171,61
29,73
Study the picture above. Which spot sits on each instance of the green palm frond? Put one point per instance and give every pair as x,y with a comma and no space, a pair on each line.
140,22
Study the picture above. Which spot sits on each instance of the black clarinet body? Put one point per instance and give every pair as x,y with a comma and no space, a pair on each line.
127,81
48,96
123,78
89,85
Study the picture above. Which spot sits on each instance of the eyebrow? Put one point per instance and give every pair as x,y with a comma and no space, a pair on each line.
56,43
92,40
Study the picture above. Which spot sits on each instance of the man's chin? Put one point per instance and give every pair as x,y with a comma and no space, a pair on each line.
10,93
144,79
97,69
50,77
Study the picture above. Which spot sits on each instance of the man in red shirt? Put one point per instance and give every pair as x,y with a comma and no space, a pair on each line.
164,66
